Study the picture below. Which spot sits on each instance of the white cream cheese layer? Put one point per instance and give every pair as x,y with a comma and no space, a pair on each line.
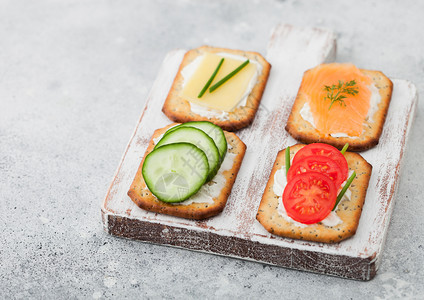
188,71
209,112
306,113
374,101
280,182
342,134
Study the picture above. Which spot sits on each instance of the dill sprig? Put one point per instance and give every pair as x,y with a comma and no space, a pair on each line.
338,92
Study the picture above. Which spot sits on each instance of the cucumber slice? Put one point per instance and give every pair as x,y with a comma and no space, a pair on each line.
215,132
172,174
198,138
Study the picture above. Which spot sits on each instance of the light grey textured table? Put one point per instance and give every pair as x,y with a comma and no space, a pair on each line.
74,76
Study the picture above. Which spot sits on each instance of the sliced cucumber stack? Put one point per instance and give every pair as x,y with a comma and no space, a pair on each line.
213,131
170,173
187,156
198,138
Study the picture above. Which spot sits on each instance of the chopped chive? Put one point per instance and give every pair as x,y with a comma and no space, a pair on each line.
223,80
345,148
287,159
344,189
210,79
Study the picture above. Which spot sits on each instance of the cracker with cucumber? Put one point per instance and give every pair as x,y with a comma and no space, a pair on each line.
188,170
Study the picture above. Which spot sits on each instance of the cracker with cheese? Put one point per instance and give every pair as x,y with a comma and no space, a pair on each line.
233,104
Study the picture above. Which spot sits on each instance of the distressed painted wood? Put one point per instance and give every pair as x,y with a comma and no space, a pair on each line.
235,232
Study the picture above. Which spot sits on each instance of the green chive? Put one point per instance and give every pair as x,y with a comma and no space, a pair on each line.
210,79
287,159
223,80
344,189
345,148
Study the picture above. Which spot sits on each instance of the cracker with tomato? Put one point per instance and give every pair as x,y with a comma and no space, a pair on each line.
313,182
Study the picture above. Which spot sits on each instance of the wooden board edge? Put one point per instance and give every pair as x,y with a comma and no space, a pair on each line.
392,201
363,269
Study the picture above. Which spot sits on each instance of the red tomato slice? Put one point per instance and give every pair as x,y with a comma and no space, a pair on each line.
318,163
309,197
324,150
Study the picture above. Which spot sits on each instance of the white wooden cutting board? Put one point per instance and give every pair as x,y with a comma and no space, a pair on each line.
235,232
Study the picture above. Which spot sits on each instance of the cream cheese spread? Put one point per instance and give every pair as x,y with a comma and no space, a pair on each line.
374,101
209,112
306,114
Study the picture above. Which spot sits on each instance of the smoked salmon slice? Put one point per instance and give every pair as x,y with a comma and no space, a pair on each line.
345,117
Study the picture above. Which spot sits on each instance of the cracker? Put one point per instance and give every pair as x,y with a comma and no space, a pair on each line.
304,132
140,194
348,211
178,109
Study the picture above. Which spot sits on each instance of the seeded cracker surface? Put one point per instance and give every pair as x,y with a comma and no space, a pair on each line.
348,211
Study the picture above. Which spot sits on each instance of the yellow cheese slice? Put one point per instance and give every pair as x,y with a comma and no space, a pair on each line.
228,95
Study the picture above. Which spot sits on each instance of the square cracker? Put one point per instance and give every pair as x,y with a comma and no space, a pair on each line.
141,195
304,132
348,211
178,109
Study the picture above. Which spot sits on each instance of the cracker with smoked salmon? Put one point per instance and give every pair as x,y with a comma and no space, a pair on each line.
232,105
341,219
338,104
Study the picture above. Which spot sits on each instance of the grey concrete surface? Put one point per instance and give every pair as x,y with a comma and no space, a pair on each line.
74,76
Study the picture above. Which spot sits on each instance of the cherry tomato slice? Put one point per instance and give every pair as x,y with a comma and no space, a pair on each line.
317,163
309,197
324,150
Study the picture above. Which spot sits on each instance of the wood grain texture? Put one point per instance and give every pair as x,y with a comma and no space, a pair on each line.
235,232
